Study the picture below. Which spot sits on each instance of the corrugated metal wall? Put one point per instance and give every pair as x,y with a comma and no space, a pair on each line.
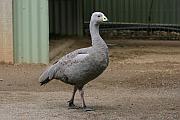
135,11
64,17
6,33
31,31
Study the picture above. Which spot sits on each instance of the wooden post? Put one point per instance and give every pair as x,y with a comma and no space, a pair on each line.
6,32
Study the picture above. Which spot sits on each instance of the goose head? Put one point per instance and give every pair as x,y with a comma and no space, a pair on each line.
98,18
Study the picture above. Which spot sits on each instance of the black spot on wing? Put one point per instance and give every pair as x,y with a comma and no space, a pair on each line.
65,79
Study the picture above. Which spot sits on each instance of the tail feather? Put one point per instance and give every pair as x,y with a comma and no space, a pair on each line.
44,78
47,76
44,82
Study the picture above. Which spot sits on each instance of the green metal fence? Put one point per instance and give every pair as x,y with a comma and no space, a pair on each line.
136,11
137,19
65,17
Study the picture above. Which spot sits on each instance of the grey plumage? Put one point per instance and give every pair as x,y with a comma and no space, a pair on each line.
83,65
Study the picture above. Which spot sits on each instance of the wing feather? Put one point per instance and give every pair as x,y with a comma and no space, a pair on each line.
68,60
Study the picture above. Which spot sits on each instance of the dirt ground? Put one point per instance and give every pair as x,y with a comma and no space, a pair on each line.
142,82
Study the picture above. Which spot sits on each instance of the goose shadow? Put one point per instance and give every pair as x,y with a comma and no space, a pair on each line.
62,105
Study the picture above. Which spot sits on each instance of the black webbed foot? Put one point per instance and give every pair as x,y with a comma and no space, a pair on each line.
72,106
86,109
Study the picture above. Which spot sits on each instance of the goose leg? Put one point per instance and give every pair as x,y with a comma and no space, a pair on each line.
71,101
85,108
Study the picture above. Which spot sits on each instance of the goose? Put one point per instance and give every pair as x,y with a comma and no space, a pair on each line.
82,65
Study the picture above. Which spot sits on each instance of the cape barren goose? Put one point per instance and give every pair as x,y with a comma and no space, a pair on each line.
82,65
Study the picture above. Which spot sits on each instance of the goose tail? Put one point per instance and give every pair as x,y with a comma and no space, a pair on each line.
47,76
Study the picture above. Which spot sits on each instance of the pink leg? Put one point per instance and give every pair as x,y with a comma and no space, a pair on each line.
83,101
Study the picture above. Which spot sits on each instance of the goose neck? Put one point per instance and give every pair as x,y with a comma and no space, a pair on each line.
94,31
